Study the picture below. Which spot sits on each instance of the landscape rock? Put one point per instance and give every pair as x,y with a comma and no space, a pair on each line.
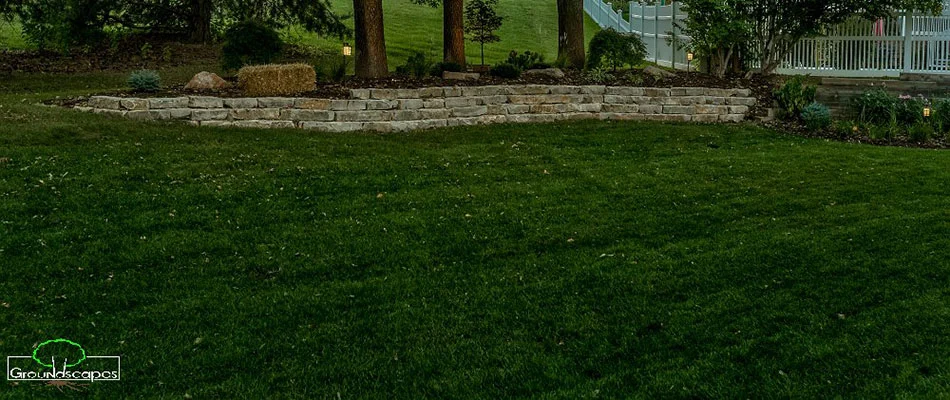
549,72
207,81
658,73
460,76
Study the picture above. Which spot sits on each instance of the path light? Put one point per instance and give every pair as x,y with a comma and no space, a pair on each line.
689,60
926,112
347,51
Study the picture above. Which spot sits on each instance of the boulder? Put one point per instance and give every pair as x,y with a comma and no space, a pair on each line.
207,81
548,72
460,76
658,73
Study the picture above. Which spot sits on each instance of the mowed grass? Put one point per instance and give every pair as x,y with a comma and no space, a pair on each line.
409,27
573,260
11,36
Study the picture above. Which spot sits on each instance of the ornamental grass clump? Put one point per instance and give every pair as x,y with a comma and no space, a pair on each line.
277,79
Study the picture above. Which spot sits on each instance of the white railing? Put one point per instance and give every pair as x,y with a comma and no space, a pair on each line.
856,48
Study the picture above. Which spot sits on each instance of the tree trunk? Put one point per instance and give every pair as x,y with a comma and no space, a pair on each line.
200,20
570,26
370,41
453,32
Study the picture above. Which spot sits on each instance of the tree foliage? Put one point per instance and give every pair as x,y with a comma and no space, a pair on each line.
615,49
717,29
774,26
481,22
64,23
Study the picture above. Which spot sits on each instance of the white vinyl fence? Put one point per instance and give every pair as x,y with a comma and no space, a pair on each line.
857,48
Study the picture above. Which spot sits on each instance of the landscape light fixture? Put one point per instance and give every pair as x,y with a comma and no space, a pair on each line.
689,60
926,112
347,51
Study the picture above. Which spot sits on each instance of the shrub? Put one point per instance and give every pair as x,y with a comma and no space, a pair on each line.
921,132
527,60
250,43
844,129
909,110
277,80
418,65
506,70
441,67
794,96
598,75
614,49
145,81
816,116
874,106
940,115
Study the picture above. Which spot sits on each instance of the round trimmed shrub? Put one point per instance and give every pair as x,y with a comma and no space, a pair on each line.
615,49
816,116
145,81
250,43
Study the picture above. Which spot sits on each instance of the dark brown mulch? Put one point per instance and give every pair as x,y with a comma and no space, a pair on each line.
797,129
761,87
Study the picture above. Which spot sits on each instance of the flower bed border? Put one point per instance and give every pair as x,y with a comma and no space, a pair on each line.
391,110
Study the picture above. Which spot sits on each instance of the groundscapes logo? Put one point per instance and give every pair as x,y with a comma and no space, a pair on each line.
63,360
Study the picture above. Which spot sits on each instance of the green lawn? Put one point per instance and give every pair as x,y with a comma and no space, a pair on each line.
11,37
529,25
411,27
574,260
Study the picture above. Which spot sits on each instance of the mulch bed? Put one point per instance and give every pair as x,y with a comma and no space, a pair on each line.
797,129
761,86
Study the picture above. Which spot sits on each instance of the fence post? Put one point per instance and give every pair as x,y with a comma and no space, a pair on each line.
908,44
656,28
673,32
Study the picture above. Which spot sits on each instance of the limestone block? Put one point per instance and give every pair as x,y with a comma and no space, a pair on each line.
306,115
163,103
624,91
359,94
205,102
741,101
241,102
469,111
433,103
313,104
254,113
363,116
454,102
275,102
599,90
209,115
678,110
434,114
134,104
411,104
264,124
687,91
333,127
621,108
105,102
380,104
731,118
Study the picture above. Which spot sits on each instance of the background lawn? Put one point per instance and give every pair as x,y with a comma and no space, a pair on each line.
574,260
530,25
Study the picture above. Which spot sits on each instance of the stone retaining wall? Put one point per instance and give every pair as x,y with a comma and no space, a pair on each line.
387,110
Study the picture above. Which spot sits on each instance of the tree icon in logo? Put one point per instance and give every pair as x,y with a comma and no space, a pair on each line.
62,349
